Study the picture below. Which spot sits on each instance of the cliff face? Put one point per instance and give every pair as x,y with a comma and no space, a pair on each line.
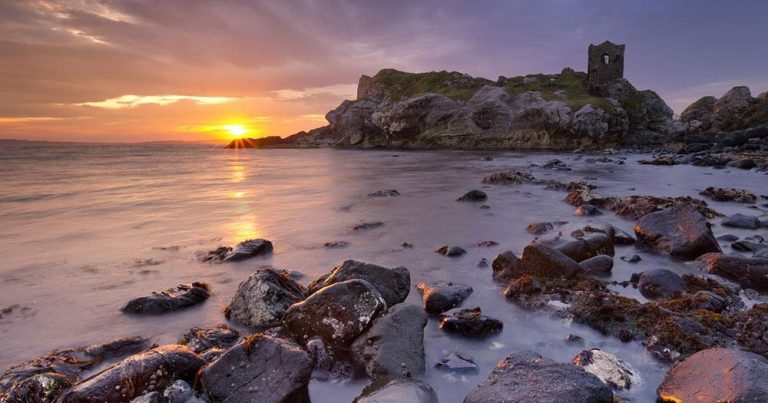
453,110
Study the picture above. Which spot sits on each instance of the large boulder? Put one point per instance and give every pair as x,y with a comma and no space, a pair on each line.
243,251
469,322
679,231
742,221
393,284
701,111
136,375
201,339
337,314
600,265
730,108
543,261
529,377
748,272
440,296
72,362
717,375
172,299
262,299
506,266
394,345
259,369
40,388
587,247
397,390
660,283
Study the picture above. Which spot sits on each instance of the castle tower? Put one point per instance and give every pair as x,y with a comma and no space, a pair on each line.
605,64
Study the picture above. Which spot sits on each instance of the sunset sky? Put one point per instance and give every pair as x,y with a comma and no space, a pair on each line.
141,70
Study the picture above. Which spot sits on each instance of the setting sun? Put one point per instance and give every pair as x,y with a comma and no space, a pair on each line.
236,130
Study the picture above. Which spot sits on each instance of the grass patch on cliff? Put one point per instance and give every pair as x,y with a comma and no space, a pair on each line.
574,84
452,84
757,114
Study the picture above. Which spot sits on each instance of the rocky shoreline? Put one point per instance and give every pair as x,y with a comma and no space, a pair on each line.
353,323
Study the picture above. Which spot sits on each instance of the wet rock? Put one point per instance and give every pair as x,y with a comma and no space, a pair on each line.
744,245
172,299
181,392
483,262
587,210
451,251
212,354
393,284
543,261
384,193
139,374
200,339
259,369
659,283
440,296
599,265
151,397
587,247
727,238
398,389
469,322
367,225
337,314
667,160
473,196
509,178
717,375
262,299
243,251
42,388
743,163
631,258
679,231
729,194
748,272
336,244
529,377
541,227
574,340
554,164
457,363
486,244
394,345
609,368
72,362
505,266
742,221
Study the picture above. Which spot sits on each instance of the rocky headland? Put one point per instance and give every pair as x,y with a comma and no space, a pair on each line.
451,110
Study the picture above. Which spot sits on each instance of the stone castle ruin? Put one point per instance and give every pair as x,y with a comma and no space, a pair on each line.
605,64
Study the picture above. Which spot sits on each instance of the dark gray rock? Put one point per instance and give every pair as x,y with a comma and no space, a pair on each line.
259,369
262,299
742,221
440,296
659,283
587,247
73,361
384,193
469,322
473,196
367,225
747,272
391,390
200,339
40,388
394,344
505,266
457,363
451,251
172,299
544,261
243,251
679,231
393,284
717,375
599,265
150,371
337,314
528,377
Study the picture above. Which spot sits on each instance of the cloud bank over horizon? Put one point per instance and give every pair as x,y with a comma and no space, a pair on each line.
137,70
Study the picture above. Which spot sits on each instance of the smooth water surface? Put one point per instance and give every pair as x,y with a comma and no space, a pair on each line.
85,228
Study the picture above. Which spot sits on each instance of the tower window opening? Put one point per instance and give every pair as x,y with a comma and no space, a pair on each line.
606,58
